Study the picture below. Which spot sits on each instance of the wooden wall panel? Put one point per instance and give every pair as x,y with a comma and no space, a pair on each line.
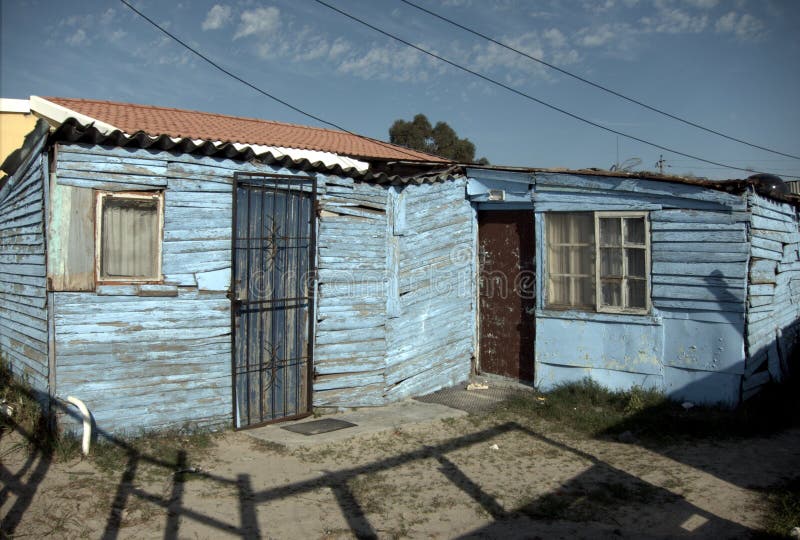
23,294
773,299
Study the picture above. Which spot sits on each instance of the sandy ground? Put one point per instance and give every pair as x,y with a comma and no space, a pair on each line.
485,476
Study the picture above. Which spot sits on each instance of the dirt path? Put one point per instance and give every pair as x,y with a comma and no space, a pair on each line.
442,480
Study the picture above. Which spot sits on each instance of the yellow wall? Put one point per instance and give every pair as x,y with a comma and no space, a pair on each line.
13,128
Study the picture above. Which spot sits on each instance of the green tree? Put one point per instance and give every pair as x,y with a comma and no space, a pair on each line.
441,139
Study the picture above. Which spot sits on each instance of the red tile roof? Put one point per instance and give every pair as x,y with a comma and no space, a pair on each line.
131,118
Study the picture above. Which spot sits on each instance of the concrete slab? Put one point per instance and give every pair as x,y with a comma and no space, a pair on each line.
368,420
478,401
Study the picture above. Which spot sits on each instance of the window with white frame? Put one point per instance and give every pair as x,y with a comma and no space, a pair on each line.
129,231
598,261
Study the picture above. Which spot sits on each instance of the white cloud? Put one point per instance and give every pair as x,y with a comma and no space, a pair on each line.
598,36
596,7
217,17
744,27
726,23
618,39
388,63
338,48
258,21
117,35
555,38
276,35
674,21
84,30
78,38
108,16
702,4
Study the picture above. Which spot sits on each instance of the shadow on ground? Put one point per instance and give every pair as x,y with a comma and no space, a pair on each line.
583,501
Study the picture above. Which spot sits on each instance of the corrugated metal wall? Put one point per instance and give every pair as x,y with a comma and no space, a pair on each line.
23,294
773,306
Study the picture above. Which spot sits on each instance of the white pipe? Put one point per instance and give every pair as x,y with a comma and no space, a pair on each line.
87,423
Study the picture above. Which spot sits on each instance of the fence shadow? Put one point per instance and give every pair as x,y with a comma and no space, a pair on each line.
534,517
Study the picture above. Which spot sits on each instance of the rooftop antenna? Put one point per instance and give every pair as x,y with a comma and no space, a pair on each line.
660,164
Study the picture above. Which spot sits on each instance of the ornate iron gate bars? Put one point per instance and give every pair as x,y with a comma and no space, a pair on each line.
272,296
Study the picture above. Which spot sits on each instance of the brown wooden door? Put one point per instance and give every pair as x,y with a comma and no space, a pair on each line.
507,292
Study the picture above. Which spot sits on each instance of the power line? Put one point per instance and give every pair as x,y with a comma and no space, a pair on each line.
264,92
528,96
596,85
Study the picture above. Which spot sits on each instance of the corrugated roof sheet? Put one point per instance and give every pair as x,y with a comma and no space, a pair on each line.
72,131
184,124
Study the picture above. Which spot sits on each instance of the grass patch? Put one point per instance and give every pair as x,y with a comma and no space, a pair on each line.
584,407
589,409
268,447
783,510
373,492
23,413
154,452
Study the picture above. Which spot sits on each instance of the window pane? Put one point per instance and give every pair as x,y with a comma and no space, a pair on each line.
610,233
637,293
634,231
570,239
582,230
611,292
559,291
129,242
581,261
636,262
583,290
558,226
610,262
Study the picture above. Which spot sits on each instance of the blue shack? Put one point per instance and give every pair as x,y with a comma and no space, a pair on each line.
683,285
171,267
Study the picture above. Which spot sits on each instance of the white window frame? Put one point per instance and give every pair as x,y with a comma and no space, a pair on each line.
597,267
102,196
598,307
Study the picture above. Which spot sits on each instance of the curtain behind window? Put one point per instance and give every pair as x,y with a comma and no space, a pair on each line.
129,247
570,239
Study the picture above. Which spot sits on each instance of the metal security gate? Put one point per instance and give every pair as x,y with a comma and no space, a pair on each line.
272,296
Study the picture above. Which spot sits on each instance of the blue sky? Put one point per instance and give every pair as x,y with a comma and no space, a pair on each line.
733,65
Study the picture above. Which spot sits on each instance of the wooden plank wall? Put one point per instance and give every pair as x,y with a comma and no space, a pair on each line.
395,315
700,254
159,356
147,357
430,335
23,293
350,349
773,295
